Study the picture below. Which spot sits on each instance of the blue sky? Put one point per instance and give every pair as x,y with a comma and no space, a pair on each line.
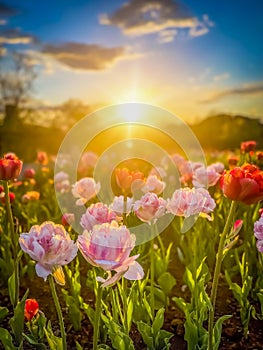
193,58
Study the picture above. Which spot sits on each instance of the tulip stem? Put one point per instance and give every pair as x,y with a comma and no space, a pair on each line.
124,209
97,317
219,259
152,272
59,311
10,219
13,241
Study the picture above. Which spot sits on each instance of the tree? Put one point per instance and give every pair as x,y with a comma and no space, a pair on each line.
16,81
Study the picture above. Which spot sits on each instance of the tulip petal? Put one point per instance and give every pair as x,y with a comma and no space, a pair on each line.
134,272
42,271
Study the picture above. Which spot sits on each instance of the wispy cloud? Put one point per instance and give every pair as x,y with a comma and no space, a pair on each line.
14,37
155,16
79,56
223,76
246,89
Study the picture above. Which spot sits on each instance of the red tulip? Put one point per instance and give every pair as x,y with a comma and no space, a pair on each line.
243,184
29,173
248,146
10,167
31,309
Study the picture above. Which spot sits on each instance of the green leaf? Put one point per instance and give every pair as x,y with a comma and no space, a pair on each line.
129,314
218,330
158,322
3,312
166,282
78,346
75,315
146,333
31,339
12,288
17,321
6,339
55,343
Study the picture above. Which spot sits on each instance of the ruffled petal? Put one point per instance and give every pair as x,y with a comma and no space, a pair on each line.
42,271
134,272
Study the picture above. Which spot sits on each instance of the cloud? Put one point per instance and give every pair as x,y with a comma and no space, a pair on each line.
246,89
139,17
14,37
86,56
167,35
223,76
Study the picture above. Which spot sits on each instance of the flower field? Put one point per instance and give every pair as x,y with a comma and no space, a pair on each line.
171,260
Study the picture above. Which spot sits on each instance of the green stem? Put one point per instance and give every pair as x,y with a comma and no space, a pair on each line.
13,240
219,259
59,312
97,317
152,272
124,209
10,219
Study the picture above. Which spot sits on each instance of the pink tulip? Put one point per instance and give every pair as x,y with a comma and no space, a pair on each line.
97,214
61,182
118,205
85,189
153,184
149,208
87,162
50,245
109,246
205,177
190,201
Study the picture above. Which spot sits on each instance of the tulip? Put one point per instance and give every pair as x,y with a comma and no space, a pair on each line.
125,178
243,184
10,167
29,173
118,205
205,177
258,232
150,207
97,214
186,202
31,309
153,184
248,146
50,245
85,189
42,158
30,196
61,182
109,246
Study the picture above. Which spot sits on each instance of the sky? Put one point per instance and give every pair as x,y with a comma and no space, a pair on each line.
193,58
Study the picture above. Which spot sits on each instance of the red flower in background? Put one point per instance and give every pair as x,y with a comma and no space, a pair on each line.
248,146
12,196
10,167
243,184
29,173
31,309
